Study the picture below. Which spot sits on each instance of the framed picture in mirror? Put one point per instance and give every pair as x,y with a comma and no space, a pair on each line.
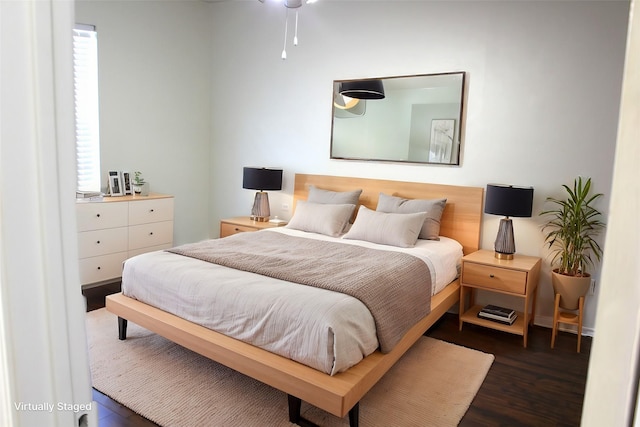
441,142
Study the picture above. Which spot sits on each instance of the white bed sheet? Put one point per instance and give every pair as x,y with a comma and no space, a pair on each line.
326,330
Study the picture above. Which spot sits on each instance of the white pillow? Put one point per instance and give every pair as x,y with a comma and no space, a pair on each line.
321,218
433,208
387,228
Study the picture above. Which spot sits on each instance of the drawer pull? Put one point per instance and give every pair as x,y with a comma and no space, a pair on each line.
98,242
492,276
98,215
99,267
150,210
151,233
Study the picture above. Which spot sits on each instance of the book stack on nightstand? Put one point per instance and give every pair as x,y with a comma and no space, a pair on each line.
498,314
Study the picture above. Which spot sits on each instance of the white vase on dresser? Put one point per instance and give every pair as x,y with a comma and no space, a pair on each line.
117,228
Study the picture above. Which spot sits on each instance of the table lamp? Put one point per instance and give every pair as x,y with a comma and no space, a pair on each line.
261,179
510,201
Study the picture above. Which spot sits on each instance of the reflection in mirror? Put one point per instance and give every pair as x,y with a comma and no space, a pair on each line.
418,121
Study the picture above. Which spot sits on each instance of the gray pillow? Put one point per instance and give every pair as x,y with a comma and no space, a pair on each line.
318,195
386,228
433,208
321,218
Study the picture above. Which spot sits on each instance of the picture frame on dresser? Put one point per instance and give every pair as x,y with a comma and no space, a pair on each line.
126,182
115,184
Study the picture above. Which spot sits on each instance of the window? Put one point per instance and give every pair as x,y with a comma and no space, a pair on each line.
85,77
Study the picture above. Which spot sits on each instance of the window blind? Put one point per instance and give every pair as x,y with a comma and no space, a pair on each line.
85,74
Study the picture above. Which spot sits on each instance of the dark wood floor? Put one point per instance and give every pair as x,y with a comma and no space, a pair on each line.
536,386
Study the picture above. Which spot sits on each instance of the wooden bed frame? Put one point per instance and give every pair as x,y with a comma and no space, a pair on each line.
338,394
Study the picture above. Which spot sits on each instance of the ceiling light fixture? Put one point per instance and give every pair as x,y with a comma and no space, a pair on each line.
290,4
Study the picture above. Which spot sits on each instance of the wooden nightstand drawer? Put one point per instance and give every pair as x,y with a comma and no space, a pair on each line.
501,279
227,229
242,224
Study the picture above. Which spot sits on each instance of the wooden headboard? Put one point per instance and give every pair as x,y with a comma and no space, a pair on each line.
461,219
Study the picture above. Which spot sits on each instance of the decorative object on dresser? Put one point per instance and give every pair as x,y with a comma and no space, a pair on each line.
261,179
112,230
89,195
115,184
572,226
517,277
140,186
230,226
509,201
126,182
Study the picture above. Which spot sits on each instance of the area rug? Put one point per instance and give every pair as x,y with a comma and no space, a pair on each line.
432,385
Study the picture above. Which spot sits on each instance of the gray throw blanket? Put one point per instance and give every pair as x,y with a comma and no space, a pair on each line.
395,287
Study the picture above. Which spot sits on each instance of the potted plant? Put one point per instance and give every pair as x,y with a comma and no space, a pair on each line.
140,186
573,223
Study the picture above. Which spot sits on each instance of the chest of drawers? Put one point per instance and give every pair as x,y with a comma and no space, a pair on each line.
112,230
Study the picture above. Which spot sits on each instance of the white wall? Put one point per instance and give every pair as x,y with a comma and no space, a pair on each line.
154,64
543,95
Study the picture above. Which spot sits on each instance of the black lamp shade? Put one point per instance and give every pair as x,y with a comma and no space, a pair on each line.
508,200
363,89
262,179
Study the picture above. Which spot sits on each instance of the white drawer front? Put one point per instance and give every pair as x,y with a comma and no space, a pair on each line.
139,251
153,234
100,268
154,210
100,215
102,242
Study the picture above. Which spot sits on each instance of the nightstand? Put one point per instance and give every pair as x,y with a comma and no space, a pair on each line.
244,223
517,277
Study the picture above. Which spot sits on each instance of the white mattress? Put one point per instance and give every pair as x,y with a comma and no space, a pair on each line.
326,330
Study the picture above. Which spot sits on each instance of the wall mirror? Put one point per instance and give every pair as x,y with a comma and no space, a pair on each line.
418,120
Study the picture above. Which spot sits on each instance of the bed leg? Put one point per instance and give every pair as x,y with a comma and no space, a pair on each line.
122,328
354,415
295,405
294,408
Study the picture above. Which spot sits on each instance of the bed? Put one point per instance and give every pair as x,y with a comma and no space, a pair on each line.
339,393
